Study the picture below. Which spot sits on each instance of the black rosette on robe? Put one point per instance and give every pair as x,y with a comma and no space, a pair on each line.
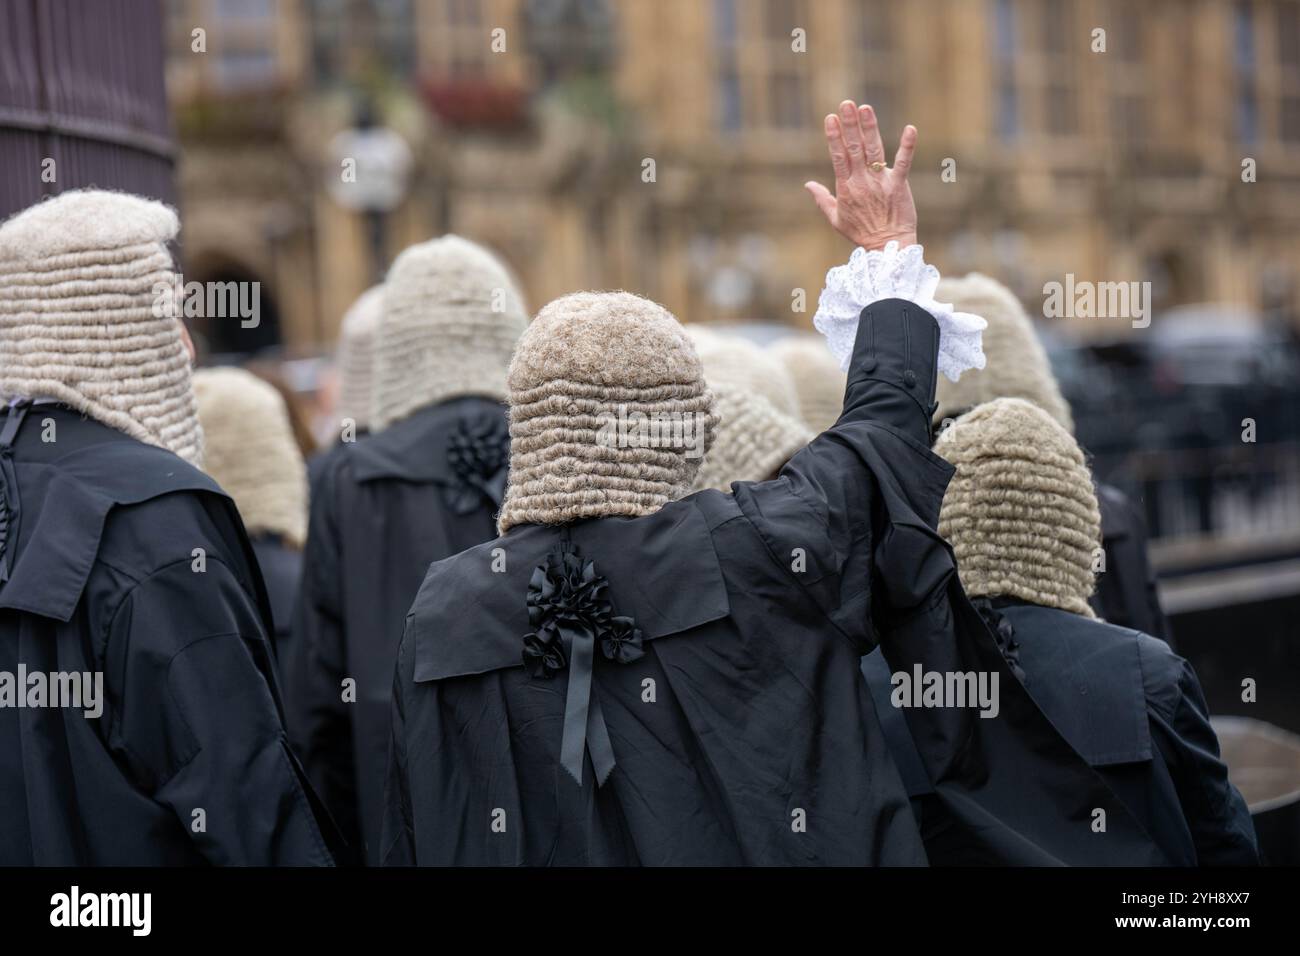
1003,633
9,508
569,611
478,452
7,514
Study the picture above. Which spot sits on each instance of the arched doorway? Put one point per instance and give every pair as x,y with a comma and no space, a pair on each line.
238,317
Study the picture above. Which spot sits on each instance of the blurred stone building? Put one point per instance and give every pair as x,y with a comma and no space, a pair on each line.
662,146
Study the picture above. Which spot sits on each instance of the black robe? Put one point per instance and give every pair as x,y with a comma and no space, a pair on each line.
382,509
1126,591
1132,708
727,718
322,460
131,563
281,567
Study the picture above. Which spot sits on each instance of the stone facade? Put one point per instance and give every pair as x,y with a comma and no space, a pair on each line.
532,125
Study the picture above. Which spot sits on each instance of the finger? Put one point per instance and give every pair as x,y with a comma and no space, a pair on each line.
906,147
839,155
852,133
824,200
871,143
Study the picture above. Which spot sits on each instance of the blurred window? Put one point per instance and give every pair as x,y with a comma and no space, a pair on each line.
1288,58
1246,111
463,13
244,9
243,40
779,18
875,26
1124,33
730,106
1126,73
1061,97
347,35
567,39
395,36
1051,68
724,23
1266,69
876,60
245,69
1127,115
1007,99
1062,111
761,82
1035,71
787,85
1290,119
326,22
1008,108
459,40
1055,27
788,99
1288,35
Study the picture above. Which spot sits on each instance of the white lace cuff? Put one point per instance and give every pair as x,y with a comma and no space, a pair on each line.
893,273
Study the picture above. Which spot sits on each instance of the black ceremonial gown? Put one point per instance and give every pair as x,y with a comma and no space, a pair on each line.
1126,591
382,509
323,459
130,563
1131,707
281,566
704,659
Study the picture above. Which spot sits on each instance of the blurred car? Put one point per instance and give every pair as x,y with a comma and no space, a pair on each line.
1229,363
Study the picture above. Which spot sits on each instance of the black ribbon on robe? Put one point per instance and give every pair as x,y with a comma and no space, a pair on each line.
479,455
9,504
569,611
991,610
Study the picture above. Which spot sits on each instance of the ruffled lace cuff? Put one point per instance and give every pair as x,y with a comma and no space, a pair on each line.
893,273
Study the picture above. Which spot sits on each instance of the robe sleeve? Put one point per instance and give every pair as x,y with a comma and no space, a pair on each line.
1148,597
861,502
398,834
1127,593
1216,814
842,500
198,721
869,491
319,720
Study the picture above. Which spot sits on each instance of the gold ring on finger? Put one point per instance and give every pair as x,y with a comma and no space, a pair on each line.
876,167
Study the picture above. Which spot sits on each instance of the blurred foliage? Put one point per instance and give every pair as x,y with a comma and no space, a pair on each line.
233,118
591,96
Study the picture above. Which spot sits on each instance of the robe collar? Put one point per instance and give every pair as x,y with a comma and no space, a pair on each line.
1087,678
415,448
64,506
662,571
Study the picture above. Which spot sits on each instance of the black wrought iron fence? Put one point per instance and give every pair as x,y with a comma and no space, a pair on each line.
82,99
1243,492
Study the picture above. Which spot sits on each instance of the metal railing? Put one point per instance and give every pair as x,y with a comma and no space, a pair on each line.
82,99
1213,505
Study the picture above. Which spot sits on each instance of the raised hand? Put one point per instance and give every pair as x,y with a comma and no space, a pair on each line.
873,202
